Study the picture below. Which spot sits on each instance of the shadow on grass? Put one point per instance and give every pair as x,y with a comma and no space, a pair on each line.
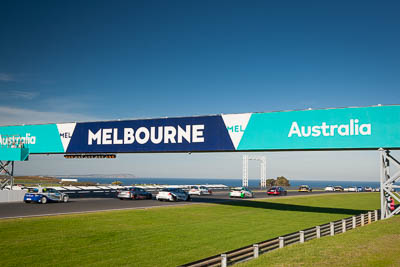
277,206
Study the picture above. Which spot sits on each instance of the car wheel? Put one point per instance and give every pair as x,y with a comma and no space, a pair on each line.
121,198
188,198
65,199
174,198
43,200
27,201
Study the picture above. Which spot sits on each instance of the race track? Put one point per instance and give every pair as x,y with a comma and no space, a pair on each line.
21,209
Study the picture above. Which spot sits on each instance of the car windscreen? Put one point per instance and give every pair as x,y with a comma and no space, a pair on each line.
33,190
168,190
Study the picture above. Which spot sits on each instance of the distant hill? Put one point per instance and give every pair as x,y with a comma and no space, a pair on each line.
120,175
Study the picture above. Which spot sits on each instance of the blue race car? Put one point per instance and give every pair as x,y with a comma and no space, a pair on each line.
44,195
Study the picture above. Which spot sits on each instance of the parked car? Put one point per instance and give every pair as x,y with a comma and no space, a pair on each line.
241,192
172,194
277,191
305,188
199,190
360,189
134,193
329,188
44,195
338,188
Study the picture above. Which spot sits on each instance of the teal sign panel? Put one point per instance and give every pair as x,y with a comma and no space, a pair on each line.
38,138
14,154
347,128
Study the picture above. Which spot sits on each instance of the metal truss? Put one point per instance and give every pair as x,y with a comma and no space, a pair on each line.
263,170
388,187
6,174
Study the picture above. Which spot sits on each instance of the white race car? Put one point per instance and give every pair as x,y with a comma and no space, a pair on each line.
241,192
172,194
329,188
199,190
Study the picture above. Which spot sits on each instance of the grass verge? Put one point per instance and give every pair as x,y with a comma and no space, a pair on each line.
167,236
372,245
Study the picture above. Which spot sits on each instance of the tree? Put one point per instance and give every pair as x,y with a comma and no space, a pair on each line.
270,182
282,181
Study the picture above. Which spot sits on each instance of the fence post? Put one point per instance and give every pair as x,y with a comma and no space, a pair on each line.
354,222
301,236
255,250
362,219
343,225
224,260
376,215
369,217
318,231
332,228
281,242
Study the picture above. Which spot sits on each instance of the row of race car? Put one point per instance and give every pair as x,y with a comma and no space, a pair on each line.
44,195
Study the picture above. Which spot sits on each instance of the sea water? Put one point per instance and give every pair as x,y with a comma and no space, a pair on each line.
228,182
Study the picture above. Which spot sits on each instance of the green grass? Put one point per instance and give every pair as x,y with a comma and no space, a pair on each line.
376,244
167,236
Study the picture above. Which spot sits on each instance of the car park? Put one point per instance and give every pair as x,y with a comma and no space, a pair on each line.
172,194
329,188
277,191
199,190
305,188
134,193
44,195
241,192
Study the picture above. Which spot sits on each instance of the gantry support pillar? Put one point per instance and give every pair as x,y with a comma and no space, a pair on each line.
387,191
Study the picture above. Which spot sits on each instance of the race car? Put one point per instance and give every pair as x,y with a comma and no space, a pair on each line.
134,193
241,192
199,190
44,195
305,188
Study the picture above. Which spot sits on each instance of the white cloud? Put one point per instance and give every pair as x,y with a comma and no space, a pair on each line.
5,77
19,94
16,116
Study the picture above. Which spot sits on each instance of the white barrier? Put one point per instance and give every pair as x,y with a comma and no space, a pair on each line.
12,195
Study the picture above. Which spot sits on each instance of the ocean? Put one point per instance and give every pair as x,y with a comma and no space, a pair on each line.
254,183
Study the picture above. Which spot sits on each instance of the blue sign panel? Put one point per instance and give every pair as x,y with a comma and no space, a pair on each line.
206,133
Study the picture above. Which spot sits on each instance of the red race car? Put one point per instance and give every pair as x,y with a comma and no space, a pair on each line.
277,191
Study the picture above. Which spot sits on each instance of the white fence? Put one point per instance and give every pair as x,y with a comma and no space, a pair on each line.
254,250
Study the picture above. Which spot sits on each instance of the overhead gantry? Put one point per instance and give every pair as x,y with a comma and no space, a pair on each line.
355,128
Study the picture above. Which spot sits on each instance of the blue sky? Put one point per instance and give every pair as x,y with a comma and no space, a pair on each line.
100,60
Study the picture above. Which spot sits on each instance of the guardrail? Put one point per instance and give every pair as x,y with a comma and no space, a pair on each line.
254,250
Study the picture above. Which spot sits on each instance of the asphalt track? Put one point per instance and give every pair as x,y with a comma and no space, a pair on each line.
86,205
